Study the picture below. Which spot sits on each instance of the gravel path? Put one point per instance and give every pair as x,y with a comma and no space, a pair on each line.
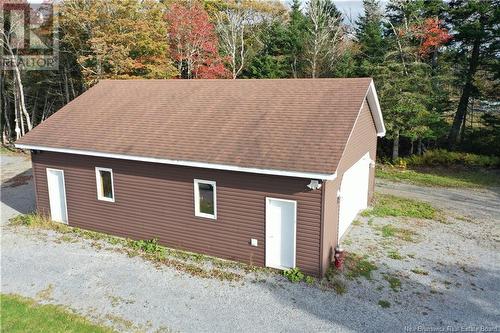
132,294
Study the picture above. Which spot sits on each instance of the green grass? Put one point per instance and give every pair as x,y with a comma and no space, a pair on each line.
394,254
333,278
356,266
389,205
441,177
384,303
394,282
419,271
389,230
21,314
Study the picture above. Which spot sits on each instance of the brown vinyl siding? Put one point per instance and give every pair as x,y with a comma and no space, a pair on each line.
363,140
157,201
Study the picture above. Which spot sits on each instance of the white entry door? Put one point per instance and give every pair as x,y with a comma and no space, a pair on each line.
281,220
57,195
353,193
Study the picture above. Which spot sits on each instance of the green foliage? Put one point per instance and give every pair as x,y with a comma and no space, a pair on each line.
390,230
149,246
334,280
272,60
369,32
442,157
441,177
485,139
21,314
394,254
419,271
385,304
390,205
294,274
356,266
188,262
394,282
310,280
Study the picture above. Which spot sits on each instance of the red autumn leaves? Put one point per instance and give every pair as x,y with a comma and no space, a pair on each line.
193,42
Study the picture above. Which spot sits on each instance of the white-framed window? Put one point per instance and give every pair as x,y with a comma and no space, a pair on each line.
104,183
205,198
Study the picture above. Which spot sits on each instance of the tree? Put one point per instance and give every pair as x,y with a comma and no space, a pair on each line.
475,23
194,44
238,23
271,59
117,38
325,32
297,34
10,43
369,33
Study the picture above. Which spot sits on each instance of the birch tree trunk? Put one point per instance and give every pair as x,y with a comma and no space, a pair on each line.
395,146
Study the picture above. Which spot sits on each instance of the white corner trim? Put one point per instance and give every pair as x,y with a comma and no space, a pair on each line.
372,97
275,172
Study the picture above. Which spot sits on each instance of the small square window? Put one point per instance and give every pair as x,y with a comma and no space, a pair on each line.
205,198
104,182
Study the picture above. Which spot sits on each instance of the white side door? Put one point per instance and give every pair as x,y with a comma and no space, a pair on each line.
281,221
353,193
57,195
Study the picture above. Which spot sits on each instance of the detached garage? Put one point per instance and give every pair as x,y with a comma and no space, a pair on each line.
267,172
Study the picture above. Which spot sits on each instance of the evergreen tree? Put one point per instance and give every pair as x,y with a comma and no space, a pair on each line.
271,60
297,31
476,25
369,33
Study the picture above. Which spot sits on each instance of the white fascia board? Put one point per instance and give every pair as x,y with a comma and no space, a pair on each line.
372,98
298,174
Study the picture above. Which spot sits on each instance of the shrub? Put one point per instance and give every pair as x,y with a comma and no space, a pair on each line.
442,157
310,280
384,303
294,274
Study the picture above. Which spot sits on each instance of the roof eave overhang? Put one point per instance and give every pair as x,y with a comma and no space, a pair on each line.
372,98
194,164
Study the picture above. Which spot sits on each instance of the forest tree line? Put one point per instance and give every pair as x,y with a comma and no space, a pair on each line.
435,63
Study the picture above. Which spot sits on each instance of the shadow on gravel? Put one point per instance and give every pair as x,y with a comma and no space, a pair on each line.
18,193
451,295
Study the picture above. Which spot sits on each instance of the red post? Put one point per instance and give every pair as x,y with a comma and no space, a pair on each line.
339,258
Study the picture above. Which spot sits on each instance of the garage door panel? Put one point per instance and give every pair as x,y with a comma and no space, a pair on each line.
353,193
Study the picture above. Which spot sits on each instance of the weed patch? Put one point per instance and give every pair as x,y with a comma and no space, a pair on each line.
389,205
394,254
440,177
333,278
390,230
356,266
419,271
394,282
385,304
310,280
294,274
147,249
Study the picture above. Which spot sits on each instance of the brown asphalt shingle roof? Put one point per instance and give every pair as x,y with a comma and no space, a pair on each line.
291,124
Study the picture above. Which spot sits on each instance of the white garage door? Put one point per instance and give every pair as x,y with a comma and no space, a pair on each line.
353,193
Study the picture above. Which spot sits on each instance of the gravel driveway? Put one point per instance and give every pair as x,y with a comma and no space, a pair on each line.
132,294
